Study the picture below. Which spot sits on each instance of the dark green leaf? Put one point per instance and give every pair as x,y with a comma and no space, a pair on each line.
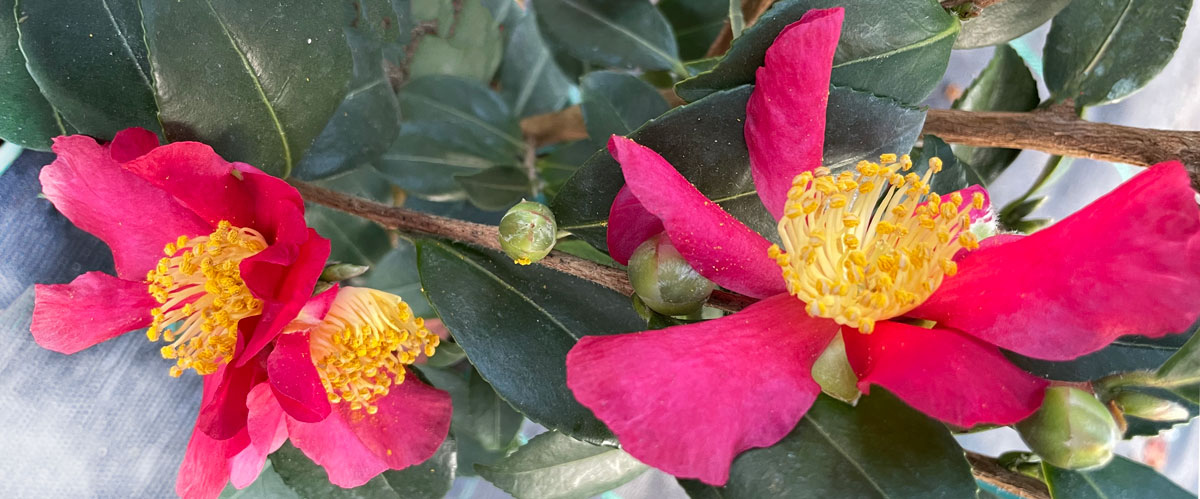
530,80
431,479
448,353
558,166
90,63
1004,21
484,425
310,481
1100,51
880,448
396,273
704,140
268,485
582,249
495,188
954,175
1128,353
354,239
364,124
467,43
619,33
517,323
1006,84
1184,366
897,49
617,104
26,118
696,24
257,81
555,466
1121,479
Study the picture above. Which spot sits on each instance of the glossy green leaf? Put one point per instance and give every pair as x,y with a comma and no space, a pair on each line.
496,188
364,124
467,43
558,166
880,448
26,117
484,425
530,79
897,49
1120,479
257,81
555,466
704,140
90,63
1006,84
268,485
310,481
1004,21
1183,367
517,323
696,24
452,126
1100,51
617,104
615,33
1127,353
430,479
396,273
354,239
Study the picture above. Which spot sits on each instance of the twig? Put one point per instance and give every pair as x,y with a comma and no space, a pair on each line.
988,470
751,11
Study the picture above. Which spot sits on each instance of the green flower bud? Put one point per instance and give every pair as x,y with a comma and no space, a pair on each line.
833,372
664,280
337,272
1146,406
1072,430
528,232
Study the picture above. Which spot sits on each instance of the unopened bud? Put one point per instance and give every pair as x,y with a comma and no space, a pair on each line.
338,272
664,280
1071,430
1149,407
528,232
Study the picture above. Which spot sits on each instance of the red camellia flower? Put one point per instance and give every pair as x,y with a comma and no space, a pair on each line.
351,347
873,254
214,258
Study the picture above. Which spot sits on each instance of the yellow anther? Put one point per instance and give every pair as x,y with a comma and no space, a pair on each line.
977,201
935,164
887,158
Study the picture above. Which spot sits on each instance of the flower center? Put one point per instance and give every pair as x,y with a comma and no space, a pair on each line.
365,341
856,258
201,293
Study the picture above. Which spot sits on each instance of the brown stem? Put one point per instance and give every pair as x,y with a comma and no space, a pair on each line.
1068,135
988,470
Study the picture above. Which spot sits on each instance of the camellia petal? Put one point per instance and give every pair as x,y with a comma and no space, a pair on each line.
131,215
131,143
943,373
224,414
688,399
785,117
412,421
294,379
205,467
719,246
267,431
95,307
629,225
283,276
1125,264
199,179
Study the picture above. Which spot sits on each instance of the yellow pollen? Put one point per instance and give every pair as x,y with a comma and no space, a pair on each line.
201,297
362,346
868,247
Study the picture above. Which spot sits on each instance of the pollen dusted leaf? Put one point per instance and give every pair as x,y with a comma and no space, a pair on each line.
90,63
897,49
256,81
553,465
26,117
1104,50
1120,478
705,141
1004,21
880,448
614,33
517,323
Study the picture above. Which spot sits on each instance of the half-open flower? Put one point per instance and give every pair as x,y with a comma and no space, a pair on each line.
213,257
923,307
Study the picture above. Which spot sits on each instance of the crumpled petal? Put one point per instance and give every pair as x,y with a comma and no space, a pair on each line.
283,276
688,399
93,308
267,430
135,218
719,246
943,373
629,225
785,117
1125,264
223,415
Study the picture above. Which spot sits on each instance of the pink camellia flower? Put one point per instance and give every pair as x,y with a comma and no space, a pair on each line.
688,399
353,345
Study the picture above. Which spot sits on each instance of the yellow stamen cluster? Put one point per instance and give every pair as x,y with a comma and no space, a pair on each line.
361,348
856,258
200,290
